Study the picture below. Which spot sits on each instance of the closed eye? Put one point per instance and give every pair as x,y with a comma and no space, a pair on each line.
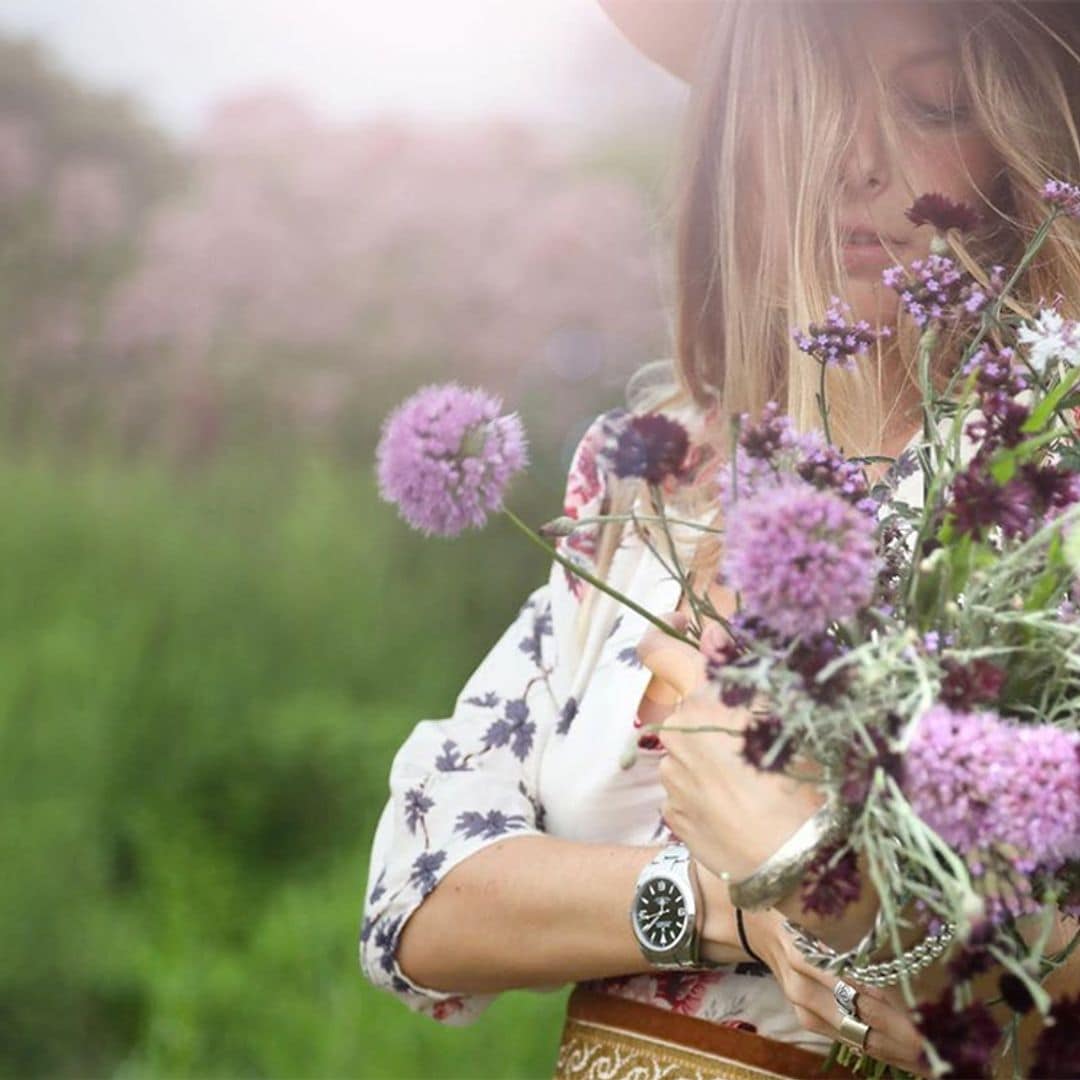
939,115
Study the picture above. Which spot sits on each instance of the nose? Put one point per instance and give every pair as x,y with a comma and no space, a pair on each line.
865,165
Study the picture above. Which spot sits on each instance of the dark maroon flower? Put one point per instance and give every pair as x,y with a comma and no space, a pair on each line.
965,1038
831,881
1052,487
860,764
943,213
653,447
965,686
764,438
733,695
1015,992
1057,1050
1001,423
809,657
973,957
979,503
997,370
759,737
827,468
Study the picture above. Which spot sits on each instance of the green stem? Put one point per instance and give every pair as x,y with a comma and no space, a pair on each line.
683,577
597,582
603,519
823,405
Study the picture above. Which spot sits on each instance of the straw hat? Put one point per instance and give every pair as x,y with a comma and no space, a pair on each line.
673,33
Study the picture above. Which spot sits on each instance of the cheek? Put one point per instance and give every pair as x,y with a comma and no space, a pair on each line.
961,167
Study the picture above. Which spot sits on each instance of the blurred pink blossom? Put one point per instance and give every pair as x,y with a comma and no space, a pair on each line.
19,156
89,203
482,248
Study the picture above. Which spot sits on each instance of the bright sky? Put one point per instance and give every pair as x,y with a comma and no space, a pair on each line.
347,58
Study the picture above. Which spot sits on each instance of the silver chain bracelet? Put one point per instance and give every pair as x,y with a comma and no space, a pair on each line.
886,973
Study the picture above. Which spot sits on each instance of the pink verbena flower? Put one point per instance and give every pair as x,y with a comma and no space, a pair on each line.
981,783
771,452
800,558
937,289
836,341
1065,196
446,456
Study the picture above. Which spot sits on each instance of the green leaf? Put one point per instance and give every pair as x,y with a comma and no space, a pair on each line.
1045,409
1071,549
1003,467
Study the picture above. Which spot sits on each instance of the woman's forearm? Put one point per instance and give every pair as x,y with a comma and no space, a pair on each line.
528,911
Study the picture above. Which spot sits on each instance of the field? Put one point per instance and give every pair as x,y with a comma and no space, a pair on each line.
204,679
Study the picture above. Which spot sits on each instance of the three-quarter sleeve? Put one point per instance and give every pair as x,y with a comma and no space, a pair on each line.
461,783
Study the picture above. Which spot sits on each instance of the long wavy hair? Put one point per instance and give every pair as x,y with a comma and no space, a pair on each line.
773,79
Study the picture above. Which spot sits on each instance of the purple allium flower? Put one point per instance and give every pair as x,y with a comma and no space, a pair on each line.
652,446
983,784
943,213
937,289
965,1038
800,558
832,881
759,737
1057,1050
445,457
836,341
1065,196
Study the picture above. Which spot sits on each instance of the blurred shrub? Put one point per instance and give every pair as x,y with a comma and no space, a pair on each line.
273,273
201,689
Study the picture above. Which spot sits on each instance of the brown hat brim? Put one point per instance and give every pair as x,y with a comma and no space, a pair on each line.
673,33
669,32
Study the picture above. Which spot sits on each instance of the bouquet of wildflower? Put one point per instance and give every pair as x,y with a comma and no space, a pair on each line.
922,656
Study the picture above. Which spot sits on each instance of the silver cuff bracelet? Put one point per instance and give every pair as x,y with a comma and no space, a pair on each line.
780,874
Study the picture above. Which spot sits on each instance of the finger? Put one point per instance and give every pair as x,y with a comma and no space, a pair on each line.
678,669
892,1037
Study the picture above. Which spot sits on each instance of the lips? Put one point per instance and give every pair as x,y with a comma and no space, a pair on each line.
865,237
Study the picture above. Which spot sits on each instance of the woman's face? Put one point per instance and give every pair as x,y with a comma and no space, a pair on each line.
937,146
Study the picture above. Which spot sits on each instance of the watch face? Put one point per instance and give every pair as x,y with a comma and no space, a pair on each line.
660,916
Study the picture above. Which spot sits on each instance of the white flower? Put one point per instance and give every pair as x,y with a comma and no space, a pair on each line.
1051,337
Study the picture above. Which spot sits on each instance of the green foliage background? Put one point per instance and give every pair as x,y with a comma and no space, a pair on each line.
202,686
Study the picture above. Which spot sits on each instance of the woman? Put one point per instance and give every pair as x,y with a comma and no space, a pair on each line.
510,848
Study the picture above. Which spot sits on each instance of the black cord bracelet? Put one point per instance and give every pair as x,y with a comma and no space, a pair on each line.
742,938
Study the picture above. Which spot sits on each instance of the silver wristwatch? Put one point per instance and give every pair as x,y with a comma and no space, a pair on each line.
667,912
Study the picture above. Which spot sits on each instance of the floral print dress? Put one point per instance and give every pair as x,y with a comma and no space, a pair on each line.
532,747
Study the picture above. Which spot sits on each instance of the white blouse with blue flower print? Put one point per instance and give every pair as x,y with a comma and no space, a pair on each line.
533,747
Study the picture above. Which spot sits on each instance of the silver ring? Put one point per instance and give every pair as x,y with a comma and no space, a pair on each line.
853,1032
845,995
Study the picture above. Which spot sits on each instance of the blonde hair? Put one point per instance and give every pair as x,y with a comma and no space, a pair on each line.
733,348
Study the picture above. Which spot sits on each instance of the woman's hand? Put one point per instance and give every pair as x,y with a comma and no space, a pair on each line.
893,1037
730,814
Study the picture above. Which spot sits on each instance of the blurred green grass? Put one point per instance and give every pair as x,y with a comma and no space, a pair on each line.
203,679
